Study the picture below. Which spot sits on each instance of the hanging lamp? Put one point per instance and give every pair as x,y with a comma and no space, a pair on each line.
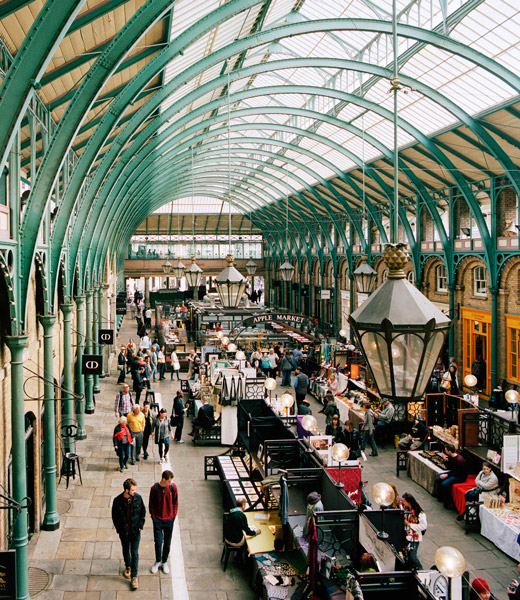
230,283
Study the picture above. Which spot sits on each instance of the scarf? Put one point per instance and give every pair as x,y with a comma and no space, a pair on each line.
121,434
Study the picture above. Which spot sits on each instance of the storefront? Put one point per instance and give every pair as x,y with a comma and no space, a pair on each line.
513,348
476,332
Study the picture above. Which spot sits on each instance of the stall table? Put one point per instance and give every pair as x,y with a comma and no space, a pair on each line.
278,565
264,541
349,413
422,470
501,526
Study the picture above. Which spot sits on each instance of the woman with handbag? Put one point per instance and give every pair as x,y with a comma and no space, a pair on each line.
161,435
176,366
177,416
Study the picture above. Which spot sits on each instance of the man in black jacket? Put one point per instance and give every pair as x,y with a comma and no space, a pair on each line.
128,515
236,525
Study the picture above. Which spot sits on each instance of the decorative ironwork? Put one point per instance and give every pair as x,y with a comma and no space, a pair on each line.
337,532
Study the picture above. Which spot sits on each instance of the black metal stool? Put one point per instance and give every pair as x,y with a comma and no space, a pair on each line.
68,468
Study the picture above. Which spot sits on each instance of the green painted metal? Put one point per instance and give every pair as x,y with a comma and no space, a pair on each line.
89,379
98,75
51,520
94,14
443,43
96,324
10,7
20,538
29,64
79,381
67,394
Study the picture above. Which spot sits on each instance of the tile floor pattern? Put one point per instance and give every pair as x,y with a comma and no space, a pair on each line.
84,555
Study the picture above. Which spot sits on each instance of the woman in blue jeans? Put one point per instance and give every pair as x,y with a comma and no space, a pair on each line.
161,434
415,525
122,439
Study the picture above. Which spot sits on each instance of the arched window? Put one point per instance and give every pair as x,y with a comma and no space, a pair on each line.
479,281
411,277
441,279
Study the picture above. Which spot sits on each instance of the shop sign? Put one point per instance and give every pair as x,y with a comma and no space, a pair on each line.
290,319
92,364
106,336
8,575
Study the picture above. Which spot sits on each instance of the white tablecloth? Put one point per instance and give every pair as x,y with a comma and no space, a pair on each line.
500,533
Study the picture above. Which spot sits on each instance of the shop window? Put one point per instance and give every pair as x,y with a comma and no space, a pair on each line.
441,279
479,281
513,348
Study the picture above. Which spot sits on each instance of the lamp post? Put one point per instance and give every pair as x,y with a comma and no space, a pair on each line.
512,397
400,332
287,401
310,425
270,385
383,495
340,454
451,563
178,269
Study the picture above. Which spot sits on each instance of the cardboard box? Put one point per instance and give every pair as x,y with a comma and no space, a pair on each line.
514,491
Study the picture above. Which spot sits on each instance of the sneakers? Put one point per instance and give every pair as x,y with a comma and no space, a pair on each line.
135,584
155,567
160,460
165,568
180,441
126,573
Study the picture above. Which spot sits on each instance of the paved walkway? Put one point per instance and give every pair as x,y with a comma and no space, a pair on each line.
84,556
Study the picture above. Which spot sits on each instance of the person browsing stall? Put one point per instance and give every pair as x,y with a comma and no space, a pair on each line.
457,473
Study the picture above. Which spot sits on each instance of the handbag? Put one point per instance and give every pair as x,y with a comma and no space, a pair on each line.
445,383
174,420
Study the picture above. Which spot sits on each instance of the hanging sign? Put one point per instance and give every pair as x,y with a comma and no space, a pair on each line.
290,319
8,575
325,294
106,336
92,364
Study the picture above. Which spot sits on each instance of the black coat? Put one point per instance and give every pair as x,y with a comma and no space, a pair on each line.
137,516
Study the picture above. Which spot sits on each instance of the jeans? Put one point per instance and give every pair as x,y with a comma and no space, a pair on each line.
130,548
444,486
135,449
411,556
146,439
154,373
380,430
164,446
178,430
286,377
124,451
366,436
472,495
178,376
162,367
160,529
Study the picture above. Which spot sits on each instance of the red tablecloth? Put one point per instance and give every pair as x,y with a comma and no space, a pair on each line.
458,490
350,478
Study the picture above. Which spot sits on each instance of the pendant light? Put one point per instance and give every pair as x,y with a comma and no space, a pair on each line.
399,331
193,273
230,283
286,270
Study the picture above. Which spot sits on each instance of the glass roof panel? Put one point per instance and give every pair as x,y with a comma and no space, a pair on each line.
197,204
491,28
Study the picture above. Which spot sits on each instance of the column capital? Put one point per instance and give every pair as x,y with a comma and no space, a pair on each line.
89,294
47,320
66,308
79,300
16,342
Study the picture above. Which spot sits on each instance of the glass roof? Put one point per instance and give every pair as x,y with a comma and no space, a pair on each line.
303,148
196,205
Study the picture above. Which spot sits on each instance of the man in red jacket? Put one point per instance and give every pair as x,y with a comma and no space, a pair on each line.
163,505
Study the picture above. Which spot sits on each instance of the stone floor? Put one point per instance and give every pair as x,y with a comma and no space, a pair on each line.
84,556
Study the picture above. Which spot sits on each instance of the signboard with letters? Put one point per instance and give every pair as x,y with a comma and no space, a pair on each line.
106,336
274,317
92,364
